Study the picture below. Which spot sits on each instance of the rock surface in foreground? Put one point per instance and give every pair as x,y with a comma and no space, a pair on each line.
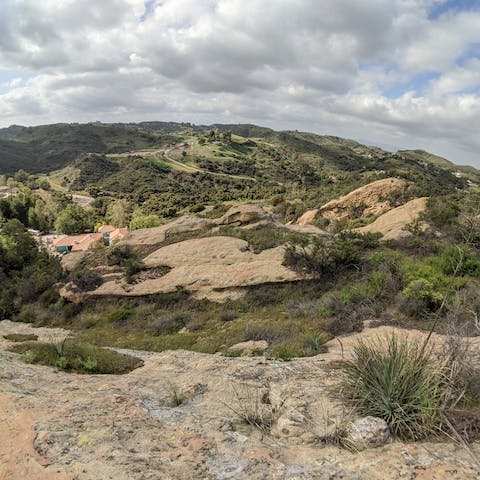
87,427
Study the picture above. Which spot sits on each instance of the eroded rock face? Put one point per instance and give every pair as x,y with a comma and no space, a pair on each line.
205,266
372,199
244,214
392,224
368,432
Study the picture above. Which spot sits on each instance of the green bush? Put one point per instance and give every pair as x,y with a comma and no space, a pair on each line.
399,382
198,207
78,357
86,280
442,211
452,256
228,315
322,257
27,315
286,351
314,343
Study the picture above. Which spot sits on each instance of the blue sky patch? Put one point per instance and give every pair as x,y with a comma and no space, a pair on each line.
453,6
417,84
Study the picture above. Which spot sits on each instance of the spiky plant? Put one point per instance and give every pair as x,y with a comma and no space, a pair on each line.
399,381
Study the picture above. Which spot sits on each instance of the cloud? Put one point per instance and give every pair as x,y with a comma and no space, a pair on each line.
386,70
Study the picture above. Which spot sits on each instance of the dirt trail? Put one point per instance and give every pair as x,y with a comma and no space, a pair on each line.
180,165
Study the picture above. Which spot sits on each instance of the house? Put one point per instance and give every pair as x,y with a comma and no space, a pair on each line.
111,233
77,243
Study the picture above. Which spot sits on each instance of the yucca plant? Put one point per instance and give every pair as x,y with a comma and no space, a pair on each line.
399,381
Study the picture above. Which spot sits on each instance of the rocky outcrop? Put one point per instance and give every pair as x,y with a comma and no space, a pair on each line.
244,214
71,293
392,225
179,417
372,199
206,266
152,236
308,217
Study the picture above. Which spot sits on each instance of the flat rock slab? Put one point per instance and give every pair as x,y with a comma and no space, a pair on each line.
207,265
57,425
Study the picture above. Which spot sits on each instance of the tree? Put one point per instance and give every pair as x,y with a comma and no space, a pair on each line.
119,213
143,221
73,219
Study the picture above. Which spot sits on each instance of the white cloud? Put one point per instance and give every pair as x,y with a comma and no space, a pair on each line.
318,66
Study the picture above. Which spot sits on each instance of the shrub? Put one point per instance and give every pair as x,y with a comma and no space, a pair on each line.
78,357
346,308
198,207
286,351
86,280
399,382
442,211
49,297
420,297
27,315
228,315
314,343
457,255
170,324
322,257
120,315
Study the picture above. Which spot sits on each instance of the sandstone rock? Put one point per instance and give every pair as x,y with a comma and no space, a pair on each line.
244,214
206,266
151,236
93,427
392,224
250,347
308,217
72,293
307,230
371,199
368,432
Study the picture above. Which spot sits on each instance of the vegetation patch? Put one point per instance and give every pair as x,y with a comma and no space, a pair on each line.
399,381
21,337
77,357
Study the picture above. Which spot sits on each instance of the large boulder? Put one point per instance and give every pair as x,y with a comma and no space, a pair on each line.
207,265
244,214
373,199
392,225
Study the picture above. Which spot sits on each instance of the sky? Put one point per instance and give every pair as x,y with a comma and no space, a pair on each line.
393,73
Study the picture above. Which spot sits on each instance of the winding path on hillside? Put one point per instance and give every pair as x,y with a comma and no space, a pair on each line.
166,154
